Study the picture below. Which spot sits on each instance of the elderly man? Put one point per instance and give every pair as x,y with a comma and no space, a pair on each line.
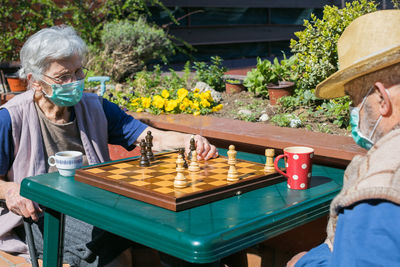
363,227
55,115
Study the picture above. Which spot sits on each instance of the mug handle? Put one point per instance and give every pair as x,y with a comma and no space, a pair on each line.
276,165
52,158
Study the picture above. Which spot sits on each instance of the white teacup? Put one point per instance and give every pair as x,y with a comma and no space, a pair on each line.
66,162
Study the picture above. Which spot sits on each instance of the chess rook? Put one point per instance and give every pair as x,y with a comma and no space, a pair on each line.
269,161
232,172
180,179
144,161
149,145
194,165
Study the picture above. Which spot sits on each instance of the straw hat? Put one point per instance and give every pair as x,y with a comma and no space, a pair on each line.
371,42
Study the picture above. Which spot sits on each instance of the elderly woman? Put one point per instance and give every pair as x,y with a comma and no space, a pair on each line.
55,115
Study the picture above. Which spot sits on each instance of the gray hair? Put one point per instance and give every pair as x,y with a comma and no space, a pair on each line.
48,45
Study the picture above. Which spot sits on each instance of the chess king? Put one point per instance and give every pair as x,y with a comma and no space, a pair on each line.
363,225
53,115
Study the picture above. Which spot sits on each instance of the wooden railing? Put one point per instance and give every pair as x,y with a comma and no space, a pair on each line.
331,150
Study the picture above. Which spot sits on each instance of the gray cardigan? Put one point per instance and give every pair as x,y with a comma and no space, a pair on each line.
29,151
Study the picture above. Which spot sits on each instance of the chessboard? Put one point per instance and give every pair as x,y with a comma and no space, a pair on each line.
155,184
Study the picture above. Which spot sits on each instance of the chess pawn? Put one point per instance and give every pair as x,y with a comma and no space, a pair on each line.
180,179
194,165
232,172
269,162
182,152
144,161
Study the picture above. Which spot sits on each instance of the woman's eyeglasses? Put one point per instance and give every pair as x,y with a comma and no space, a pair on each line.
69,77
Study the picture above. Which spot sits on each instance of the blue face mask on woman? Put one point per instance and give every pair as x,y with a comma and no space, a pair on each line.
358,136
66,95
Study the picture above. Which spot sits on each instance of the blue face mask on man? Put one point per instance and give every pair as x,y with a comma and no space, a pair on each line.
358,136
66,95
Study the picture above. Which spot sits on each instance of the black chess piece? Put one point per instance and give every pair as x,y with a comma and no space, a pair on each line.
144,161
149,145
182,152
191,148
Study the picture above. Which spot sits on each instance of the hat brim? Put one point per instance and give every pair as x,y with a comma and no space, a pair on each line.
333,86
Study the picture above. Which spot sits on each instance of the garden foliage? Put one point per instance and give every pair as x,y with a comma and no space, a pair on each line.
128,46
211,74
267,72
316,52
316,45
21,18
158,93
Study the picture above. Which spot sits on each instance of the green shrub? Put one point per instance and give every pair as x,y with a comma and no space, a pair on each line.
153,82
129,46
211,74
316,45
267,72
20,19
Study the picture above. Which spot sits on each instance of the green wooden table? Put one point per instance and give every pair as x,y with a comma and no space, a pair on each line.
199,235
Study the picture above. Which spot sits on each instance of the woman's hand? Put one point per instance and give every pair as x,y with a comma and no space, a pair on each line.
295,259
20,205
203,148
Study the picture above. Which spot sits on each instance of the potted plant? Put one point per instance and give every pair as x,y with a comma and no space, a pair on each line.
272,79
15,83
234,83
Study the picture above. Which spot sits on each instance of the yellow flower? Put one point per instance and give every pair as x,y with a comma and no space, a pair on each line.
165,93
171,105
158,101
196,95
139,110
135,102
205,103
206,95
182,106
197,113
217,108
196,90
146,102
182,93
195,105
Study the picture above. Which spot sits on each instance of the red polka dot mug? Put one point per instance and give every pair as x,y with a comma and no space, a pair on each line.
298,163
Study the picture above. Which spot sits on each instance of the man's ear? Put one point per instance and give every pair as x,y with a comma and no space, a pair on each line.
385,105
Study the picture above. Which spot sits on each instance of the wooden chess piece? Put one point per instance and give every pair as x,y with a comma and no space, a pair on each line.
232,172
180,179
144,161
194,165
182,153
149,145
269,162
191,148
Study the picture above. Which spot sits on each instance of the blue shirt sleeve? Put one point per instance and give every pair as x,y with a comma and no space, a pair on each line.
367,234
6,145
123,129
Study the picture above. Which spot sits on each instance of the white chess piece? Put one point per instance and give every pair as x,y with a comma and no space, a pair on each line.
194,165
180,179
232,172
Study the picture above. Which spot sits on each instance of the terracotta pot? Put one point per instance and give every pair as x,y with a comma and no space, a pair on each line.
233,88
16,84
277,91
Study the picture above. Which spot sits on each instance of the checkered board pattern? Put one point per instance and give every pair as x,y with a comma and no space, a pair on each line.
155,184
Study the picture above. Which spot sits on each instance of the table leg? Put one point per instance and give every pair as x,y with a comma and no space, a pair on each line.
53,238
